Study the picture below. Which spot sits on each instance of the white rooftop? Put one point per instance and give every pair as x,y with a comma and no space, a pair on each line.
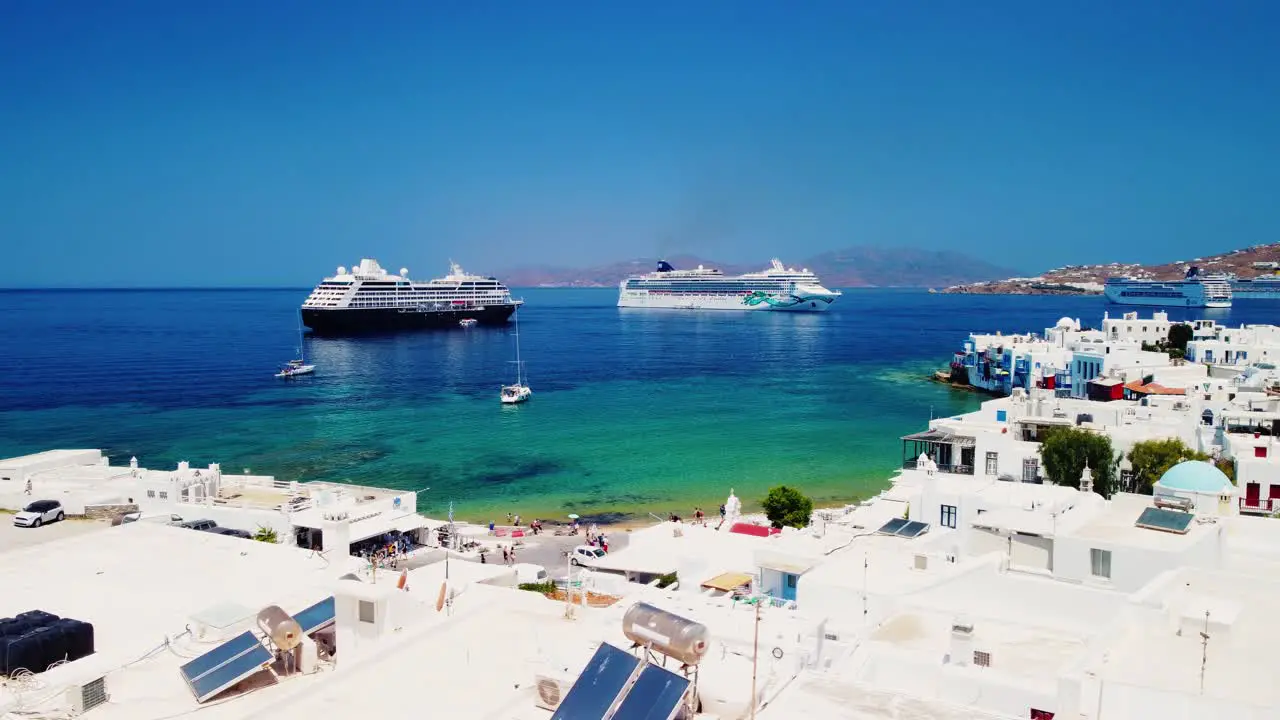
1162,649
1116,526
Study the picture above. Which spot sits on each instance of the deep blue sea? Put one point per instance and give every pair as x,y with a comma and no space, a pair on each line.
634,410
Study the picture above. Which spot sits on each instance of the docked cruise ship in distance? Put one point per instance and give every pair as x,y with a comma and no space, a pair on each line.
1195,290
1263,287
368,299
777,288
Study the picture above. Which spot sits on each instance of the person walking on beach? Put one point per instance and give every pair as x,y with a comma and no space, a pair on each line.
28,486
506,558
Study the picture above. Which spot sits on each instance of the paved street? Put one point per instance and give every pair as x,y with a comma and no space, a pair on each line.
546,550
15,537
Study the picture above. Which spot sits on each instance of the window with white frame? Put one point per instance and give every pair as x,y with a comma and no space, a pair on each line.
993,463
1100,563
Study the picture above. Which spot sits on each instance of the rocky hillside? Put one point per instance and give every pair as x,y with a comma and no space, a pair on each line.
851,267
1089,279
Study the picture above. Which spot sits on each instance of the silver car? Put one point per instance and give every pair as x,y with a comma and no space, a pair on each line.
39,513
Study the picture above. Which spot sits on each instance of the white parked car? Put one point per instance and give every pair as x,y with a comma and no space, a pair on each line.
40,512
162,518
586,555
530,573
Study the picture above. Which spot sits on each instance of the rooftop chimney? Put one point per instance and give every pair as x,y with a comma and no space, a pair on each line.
961,642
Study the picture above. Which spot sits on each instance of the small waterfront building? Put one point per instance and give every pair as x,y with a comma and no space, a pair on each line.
86,484
1238,346
1129,326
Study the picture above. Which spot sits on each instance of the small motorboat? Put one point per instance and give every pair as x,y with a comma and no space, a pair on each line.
295,368
468,322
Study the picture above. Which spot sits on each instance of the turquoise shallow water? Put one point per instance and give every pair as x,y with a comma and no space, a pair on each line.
633,411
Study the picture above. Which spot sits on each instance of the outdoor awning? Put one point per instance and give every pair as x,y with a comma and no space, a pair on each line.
728,581
934,435
795,566
409,523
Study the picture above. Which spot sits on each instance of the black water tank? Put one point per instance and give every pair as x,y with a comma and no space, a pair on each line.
77,637
38,618
13,627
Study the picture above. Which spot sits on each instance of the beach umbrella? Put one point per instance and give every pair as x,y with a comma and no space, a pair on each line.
573,516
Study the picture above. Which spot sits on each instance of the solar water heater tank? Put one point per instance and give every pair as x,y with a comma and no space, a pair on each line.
666,633
278,625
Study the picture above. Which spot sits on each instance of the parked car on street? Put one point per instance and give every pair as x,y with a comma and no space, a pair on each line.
40,512
585,555
198,524
233,532
162,518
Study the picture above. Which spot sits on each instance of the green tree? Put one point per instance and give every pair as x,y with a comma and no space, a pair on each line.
1151,458
266,535
1228,468
1066,450
786,506
1179,335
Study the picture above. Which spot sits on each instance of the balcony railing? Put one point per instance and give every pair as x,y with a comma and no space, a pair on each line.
953,469
1259,505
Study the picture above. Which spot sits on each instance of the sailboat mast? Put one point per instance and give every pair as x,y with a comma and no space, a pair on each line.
519,365
302,347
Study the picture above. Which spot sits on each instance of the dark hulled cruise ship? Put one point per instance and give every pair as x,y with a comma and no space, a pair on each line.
368,299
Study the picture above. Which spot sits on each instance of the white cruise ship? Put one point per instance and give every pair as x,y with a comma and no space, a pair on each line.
370,299
778,288
1263,287
1195,290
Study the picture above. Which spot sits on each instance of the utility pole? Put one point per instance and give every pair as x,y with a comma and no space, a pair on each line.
755,655
1204,650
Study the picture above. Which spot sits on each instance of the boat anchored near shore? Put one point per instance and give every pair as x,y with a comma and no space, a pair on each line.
519,391
299,365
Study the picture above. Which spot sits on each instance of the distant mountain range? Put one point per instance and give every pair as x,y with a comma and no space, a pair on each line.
851,267
1089,279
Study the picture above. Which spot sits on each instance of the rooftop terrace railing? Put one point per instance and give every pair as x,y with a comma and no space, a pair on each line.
1259,505
953,469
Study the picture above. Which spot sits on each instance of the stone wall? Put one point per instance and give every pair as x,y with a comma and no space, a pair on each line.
107,512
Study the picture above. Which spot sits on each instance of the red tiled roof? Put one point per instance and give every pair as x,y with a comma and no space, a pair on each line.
1153,389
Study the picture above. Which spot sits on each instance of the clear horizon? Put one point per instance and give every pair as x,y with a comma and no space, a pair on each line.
261,145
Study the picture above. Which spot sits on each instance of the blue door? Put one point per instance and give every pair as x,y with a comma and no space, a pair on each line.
789,586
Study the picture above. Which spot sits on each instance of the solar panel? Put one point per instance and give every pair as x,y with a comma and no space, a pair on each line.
893,526
316,617
912,529
656,695
599,685
1165,520
219,655
225,665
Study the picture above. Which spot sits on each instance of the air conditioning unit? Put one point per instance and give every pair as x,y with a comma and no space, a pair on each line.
551,691
922,562
85,697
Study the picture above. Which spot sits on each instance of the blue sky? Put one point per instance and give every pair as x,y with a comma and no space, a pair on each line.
248,142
